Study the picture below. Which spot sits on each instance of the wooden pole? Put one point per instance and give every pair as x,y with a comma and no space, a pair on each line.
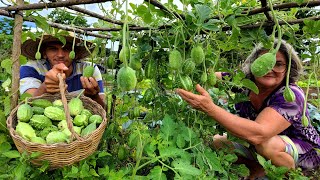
16,51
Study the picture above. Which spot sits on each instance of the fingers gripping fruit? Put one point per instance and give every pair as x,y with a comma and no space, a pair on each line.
88,71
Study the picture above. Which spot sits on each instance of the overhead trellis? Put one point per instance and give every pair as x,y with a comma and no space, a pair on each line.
71,4
16,11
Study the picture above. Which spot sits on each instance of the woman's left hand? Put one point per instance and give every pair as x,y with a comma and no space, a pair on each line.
90,85
202,101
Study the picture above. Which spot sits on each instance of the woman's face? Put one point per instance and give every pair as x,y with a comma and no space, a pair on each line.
275,77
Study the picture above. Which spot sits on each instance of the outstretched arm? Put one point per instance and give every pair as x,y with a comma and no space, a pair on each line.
268,123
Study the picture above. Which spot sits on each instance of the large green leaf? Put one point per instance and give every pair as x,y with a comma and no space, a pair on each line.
42,23
186,169
203,12
157,174
7,65
11,154
250,85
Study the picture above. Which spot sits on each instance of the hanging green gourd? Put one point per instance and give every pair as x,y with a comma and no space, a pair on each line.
212,78
124,54
89,70
72,54
188,66
126,77
175,60
265,63
197,54
38,54
288,94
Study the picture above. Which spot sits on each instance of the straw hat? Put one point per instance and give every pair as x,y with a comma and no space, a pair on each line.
30,47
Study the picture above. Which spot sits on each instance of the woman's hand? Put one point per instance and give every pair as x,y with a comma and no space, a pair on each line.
51,81
90,86
202,101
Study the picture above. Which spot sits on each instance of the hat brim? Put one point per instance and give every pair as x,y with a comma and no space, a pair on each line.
30,47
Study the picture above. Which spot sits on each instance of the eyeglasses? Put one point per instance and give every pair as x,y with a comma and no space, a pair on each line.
279,67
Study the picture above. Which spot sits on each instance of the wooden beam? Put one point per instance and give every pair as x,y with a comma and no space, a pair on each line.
51,5
96,15
283,6
165,9
16,51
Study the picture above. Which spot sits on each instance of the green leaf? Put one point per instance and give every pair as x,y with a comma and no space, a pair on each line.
11,154
85,171
19,171
7,65
262,161
104,171
42,23
5,147
250,85
180,141
35,155
94,173
157,173
185,168
214,161
3,124
45,166
103,154
7,105
6,83
168,127
170,152
23,60
203,12
211,25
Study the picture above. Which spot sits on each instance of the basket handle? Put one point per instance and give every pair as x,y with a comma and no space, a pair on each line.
62,87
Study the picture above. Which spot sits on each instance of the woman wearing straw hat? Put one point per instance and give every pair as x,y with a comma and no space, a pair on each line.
40,76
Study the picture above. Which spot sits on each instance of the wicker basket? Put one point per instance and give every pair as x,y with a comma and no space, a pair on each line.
61,154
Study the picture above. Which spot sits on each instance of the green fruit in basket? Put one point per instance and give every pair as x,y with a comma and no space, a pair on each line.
24,112
63,125
41,103
38,140
56,137
40,121
75,106
86,112
25,130
95,118
57,103
77,129
43,133
37,110
55,113
89,129
80,120
88,71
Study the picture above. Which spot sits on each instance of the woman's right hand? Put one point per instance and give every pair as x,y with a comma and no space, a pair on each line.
51,79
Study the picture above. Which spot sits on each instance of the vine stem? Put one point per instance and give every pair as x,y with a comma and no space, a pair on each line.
278,26
307,93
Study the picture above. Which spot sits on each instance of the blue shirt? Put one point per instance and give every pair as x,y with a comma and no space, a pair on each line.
32,75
